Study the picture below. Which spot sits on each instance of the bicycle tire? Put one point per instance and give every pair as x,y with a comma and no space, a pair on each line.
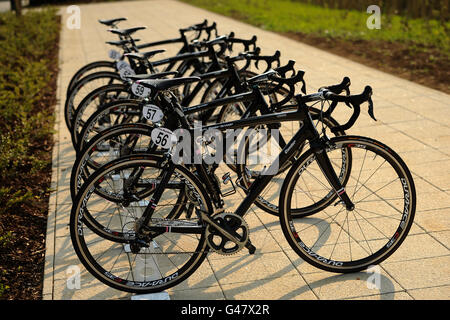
267,200
78,93
95,101
86,245
87,69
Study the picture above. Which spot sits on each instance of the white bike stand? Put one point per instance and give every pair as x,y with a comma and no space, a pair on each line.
152,296
149,266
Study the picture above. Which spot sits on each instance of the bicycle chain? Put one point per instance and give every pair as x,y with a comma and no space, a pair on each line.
211,249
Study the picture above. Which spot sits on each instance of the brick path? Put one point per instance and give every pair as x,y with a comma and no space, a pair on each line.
413,120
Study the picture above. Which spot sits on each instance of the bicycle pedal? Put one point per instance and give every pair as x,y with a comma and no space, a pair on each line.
190,210
225,179
251,248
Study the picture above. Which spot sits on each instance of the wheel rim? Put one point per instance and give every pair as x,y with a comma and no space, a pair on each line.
168,259
338,240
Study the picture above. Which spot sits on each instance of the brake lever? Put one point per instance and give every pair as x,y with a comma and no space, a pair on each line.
371,114
230,43
356,103
347,92
303,89
290,82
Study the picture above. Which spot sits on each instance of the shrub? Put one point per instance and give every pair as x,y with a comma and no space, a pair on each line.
28,56
25,44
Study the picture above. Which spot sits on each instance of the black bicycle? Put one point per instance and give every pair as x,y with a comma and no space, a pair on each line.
98,88
135,243
127,44
216,82
120,140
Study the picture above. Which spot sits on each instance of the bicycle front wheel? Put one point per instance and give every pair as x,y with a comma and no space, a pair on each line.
338,240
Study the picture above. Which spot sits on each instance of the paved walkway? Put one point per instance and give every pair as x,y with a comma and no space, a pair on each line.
5,6
413,120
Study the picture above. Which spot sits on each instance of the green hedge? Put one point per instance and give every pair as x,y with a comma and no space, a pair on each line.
27,50
430,9
64,2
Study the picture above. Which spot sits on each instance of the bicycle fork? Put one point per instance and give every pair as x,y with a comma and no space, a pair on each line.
319,148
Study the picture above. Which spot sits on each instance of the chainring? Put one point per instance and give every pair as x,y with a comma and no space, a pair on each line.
232,223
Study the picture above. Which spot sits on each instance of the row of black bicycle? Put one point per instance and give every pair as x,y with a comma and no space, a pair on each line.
161,143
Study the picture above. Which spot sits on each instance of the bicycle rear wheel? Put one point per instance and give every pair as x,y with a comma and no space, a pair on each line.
110,144
119,257
83,87
335,239
96,66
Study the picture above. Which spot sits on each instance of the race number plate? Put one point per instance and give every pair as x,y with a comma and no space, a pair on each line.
152,113
113,54
140,91
163,138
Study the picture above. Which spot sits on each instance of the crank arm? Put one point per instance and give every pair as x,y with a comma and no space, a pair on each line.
251,248
225,233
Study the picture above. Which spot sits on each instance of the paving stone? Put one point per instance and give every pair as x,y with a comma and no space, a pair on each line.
284,288
346,286
434,293
421,273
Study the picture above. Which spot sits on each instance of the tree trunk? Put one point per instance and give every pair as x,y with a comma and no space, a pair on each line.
16,5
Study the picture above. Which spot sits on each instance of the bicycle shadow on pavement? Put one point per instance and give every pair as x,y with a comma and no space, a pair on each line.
332,287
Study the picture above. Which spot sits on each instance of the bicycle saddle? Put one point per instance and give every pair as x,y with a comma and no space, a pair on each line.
120,43
165,84
152,75
145,55
126,32
110,22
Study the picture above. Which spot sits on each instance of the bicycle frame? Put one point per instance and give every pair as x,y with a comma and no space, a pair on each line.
253,100
185,53
307,132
